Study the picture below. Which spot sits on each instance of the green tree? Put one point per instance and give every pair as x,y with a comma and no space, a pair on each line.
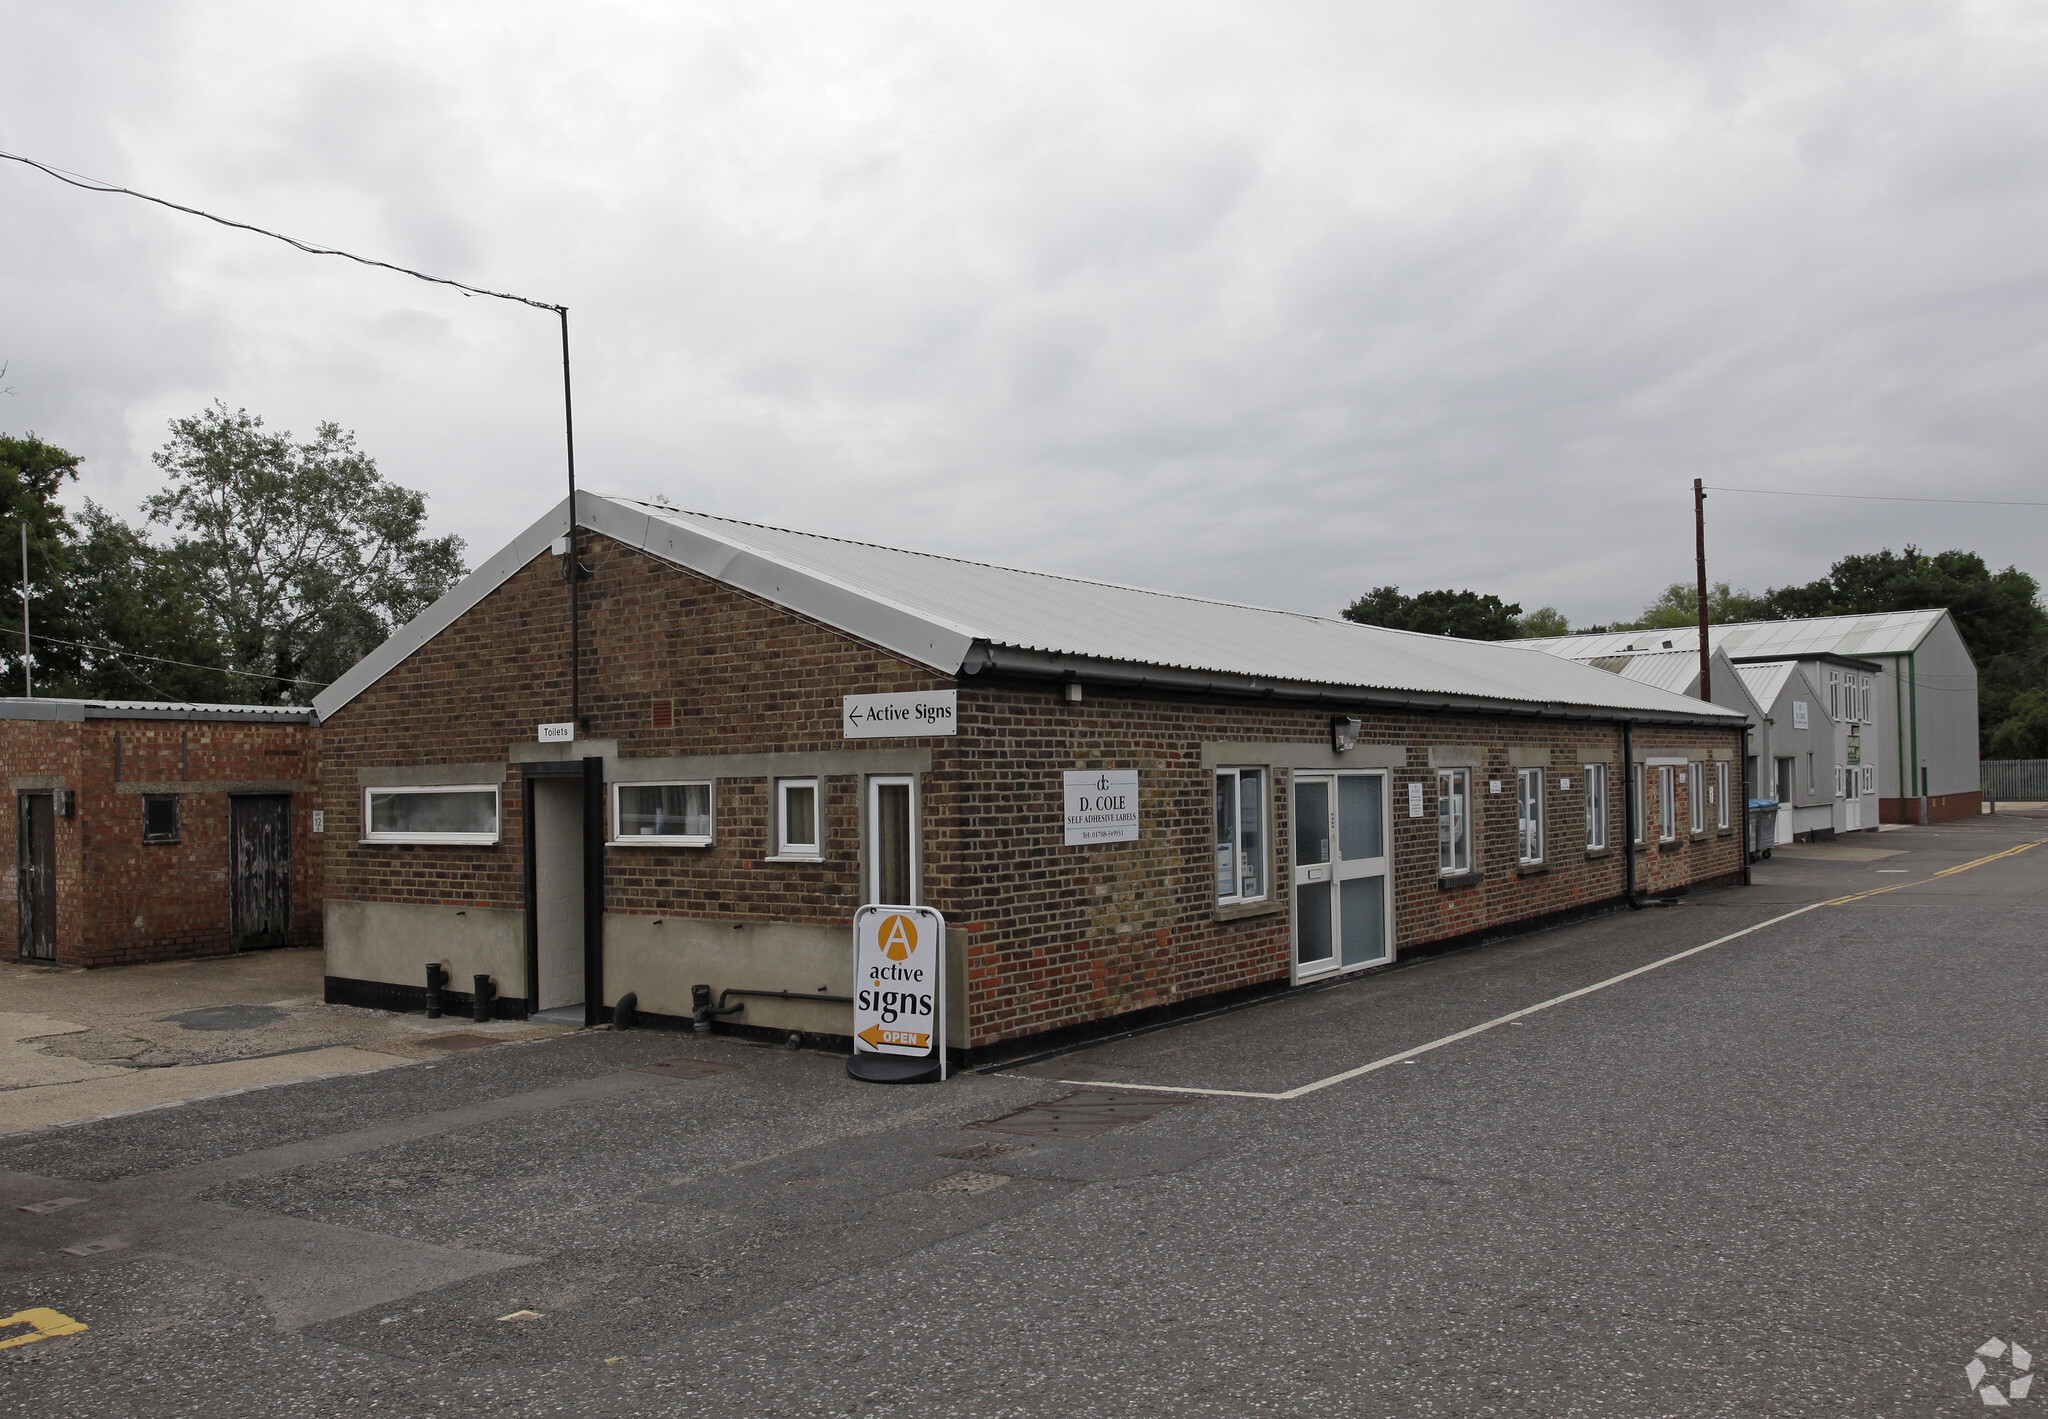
1678,605
1438,613
32,473
1998,613
2022,731
1543,621
299,556
149,637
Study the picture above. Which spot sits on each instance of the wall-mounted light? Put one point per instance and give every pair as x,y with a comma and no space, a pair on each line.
1344,731
1073,692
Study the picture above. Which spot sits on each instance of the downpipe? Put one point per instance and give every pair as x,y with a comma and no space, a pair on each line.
1629,827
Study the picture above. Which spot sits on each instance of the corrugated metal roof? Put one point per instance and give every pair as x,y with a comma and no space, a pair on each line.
1888,633
1766,679
1065,615
934,610
47,707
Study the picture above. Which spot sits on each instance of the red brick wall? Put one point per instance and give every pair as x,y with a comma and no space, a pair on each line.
1056,935
121,900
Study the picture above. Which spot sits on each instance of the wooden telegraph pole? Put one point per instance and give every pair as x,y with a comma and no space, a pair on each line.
1699,528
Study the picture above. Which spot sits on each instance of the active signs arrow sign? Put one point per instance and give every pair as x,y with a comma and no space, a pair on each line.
899,995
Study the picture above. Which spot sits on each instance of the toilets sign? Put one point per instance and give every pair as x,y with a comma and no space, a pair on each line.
1101,806
905,716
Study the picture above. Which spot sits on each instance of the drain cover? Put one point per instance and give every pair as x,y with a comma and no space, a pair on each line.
460,1042
55,1204
982,1152
1081,1115
969,1183
92,1248
683,1067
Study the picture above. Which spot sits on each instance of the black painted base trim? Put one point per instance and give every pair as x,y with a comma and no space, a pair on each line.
412,999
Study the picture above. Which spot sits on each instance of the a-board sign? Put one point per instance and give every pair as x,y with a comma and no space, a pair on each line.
899,995
905,716
558,733
1101,806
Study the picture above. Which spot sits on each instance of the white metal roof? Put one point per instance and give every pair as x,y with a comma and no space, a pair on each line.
1887,633
1766,679
45,707
934,609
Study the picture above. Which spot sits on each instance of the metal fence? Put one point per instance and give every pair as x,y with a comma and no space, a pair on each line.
2016,780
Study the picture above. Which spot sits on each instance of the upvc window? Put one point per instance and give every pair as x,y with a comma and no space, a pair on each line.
1852,709
1596,806
662,814
1696,794
455,813
1667,802
1240,835
1870,778
799,819
1834,694
892,841
1869,709
1453,820
1529,813
1636,802
1721,794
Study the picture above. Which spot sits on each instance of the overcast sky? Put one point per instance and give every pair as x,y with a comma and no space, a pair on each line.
1267,302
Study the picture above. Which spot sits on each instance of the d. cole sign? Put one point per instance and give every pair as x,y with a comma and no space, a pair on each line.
903,716
1101,806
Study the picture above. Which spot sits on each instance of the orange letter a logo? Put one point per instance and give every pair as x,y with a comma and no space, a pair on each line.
898,937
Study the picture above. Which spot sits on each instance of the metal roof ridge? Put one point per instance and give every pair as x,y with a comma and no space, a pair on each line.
657,509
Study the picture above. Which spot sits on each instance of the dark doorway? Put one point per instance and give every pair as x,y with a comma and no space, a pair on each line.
37,824
259,870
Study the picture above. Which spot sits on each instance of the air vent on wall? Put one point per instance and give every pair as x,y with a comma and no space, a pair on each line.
664,714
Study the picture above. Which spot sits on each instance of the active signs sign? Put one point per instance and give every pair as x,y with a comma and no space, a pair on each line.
899,995
1101,806
904,716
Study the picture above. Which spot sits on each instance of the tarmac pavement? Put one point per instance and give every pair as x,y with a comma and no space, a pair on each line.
1796,1173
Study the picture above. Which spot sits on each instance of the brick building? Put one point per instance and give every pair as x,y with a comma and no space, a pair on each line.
148,832
772,728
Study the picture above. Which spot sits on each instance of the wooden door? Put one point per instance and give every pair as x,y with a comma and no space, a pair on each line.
260,870
37,858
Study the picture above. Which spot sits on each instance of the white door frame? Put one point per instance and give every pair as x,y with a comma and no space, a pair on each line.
1336,871
871,857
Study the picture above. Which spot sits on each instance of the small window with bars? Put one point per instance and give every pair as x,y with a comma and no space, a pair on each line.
160,817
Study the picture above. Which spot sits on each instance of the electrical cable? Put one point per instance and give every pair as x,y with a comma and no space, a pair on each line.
93,184
187,664
1871,497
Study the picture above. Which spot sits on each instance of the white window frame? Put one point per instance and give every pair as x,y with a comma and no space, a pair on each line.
876,783
785,850
1529,815
1696,796
1869,779
1721,793
1265,778
1869,714
1667,803
1454,786
370,835
1596,806
1639,799
1835,695
620,839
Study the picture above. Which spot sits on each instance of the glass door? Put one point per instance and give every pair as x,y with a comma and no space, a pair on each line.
1341,902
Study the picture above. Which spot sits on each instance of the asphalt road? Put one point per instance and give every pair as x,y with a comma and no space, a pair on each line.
1798,1173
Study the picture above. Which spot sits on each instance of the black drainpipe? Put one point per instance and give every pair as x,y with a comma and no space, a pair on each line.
1628,809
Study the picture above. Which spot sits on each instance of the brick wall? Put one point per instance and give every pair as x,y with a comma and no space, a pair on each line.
120,900
1055,935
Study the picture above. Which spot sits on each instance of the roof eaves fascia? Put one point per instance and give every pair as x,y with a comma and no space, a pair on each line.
928,640
415,633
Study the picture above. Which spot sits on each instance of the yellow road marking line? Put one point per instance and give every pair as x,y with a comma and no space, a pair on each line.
1407,1054
47,1323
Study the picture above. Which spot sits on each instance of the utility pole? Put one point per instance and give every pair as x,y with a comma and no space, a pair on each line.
28,684
1699,528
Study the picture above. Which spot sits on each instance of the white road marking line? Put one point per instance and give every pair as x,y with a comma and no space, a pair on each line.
1407,1055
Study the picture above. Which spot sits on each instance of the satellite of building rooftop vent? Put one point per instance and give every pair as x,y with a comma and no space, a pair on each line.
1022,712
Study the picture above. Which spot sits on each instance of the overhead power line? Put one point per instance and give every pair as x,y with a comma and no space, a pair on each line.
1874,497
189,665
91,184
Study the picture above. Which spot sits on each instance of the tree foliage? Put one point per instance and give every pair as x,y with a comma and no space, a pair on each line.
300,557
1437,613
285,563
